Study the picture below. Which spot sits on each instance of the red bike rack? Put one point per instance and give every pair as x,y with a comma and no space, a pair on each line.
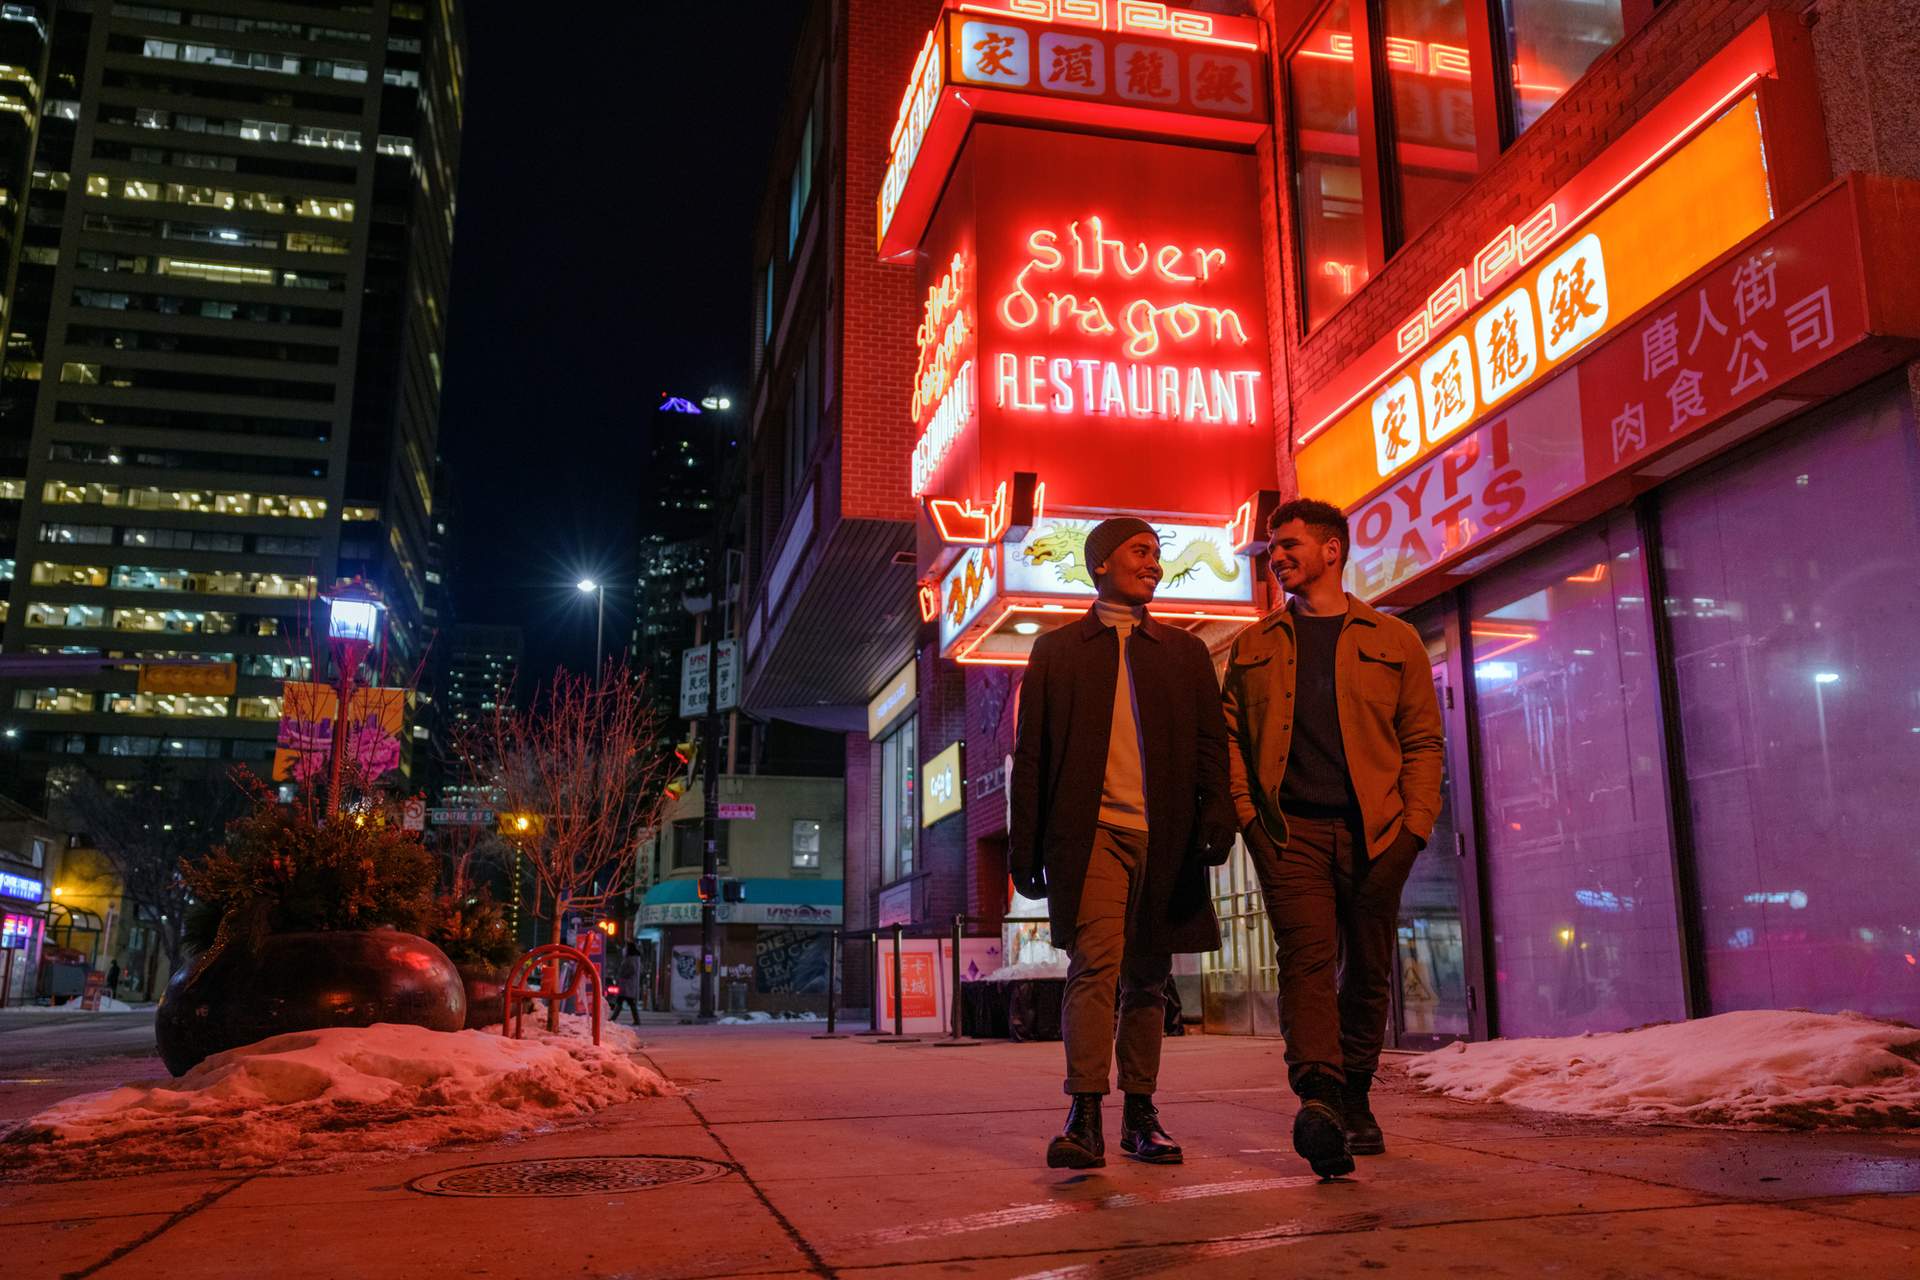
583,968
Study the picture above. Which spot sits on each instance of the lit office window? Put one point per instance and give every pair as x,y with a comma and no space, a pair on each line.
806,846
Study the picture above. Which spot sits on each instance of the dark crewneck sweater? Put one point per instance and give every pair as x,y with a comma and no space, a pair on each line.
1316,784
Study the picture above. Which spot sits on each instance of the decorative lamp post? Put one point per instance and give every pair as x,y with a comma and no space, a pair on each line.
599,591
354,612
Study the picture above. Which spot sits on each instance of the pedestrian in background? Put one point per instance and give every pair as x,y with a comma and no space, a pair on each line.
629,981
1336,766
1120,800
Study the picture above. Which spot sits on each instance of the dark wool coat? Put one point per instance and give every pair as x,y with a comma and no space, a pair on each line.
1060,762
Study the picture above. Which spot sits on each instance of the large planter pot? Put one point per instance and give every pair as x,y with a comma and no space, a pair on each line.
486,987
306,982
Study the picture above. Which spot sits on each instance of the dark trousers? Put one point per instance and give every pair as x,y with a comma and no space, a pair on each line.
1105,967
1335,914
628,1001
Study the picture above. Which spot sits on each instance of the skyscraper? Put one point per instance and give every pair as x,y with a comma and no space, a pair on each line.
478,676
226,318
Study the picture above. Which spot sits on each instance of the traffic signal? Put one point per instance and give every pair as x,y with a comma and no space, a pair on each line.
686,753
709,888
733,891
675,788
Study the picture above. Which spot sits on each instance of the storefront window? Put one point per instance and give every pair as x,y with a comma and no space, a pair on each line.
806,846
1793,623
1327,164
899,803
1552,43
1430,86
1576,840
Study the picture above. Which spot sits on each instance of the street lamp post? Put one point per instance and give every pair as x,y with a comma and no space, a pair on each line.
599,591
354,609
710,758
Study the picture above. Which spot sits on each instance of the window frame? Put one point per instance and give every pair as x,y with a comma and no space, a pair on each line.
1383,233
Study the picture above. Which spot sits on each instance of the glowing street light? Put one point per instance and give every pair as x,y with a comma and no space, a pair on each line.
1821,679
354,610
599,591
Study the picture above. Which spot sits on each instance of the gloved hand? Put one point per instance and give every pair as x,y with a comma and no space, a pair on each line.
1032,883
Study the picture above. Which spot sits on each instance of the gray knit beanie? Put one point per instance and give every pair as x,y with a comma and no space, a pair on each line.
1107,537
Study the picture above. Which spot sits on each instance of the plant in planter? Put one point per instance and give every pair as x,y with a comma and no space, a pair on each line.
299,924
472,929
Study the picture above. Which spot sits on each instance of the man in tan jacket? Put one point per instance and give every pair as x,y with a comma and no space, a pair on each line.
1334,749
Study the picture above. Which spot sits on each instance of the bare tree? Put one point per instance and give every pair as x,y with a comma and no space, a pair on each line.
145,831
579,783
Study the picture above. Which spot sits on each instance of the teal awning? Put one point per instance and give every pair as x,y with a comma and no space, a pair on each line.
760,889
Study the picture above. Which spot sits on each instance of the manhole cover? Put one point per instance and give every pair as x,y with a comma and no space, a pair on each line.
579,1176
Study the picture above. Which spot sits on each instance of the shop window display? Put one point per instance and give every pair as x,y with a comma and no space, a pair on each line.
1576,837
1794,624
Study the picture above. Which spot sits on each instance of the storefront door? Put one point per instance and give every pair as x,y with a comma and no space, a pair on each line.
1439,955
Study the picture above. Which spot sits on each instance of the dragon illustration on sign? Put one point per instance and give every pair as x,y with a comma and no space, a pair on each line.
1064,546
965,587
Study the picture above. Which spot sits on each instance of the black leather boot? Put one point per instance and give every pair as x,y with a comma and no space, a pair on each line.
1363,1131
1318,1134
1080,1145
1141,1136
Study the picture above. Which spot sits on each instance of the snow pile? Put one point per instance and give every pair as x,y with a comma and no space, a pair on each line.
1790,1069
309,1094
761,1015
1027,970
107,1005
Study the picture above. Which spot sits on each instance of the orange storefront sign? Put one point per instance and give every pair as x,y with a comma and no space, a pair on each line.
212,678
1707,196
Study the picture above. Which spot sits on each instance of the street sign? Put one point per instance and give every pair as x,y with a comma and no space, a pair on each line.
460,817
744,812
413,814
693,679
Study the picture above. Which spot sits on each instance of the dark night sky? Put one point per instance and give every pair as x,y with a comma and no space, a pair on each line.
611,171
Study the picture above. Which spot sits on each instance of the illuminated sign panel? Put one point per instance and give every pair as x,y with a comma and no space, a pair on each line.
893,701
1146,68
972,582
22,887
1109,295
943,795
999,599
1708,195
1741,345
1196,559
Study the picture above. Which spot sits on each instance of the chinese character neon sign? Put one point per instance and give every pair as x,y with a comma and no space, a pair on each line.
1082,263
910,129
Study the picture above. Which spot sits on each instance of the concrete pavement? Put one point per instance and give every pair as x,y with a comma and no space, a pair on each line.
789,1156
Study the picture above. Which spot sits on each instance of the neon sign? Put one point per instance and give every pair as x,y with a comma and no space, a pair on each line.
968,587
1128,17
910,128
945,391
1675,220
1084,257
1731,75
22,887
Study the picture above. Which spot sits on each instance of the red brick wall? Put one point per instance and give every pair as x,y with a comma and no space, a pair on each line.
1618,90
879,39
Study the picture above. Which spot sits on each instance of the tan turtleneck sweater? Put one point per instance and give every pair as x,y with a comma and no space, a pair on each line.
1123,799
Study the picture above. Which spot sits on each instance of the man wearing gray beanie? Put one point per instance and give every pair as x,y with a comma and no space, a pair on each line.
1120,803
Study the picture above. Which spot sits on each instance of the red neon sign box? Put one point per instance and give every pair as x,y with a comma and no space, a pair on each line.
1095,314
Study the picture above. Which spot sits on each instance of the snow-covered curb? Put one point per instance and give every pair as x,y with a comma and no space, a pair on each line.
312,1094
1026,971
1778,1068
107,1005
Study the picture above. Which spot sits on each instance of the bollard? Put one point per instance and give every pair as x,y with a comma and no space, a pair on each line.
899,1035
873,971
833,988
956,1037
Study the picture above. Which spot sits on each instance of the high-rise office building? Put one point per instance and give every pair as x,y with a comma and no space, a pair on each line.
226,315
673,541
478,676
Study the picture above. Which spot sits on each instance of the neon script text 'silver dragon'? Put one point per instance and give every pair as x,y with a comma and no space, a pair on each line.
1065,548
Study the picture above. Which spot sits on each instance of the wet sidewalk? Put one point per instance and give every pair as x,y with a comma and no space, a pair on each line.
789,1156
